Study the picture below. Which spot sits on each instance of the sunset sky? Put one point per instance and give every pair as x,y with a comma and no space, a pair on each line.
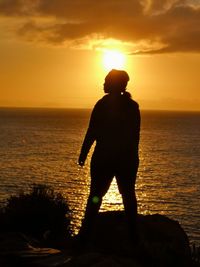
56,53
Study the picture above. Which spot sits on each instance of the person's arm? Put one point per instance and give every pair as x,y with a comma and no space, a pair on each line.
89,139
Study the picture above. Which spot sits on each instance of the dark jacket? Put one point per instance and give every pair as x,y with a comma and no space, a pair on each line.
115,126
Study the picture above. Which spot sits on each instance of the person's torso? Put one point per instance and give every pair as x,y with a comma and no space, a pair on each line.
116,126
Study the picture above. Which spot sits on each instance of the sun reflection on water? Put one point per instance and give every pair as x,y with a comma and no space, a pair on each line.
112,200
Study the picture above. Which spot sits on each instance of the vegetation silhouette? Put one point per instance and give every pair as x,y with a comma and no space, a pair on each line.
115,126
38,213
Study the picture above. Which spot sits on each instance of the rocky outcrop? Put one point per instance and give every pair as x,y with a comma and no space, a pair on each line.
162,242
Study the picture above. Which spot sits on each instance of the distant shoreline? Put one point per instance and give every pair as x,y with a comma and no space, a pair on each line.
89,109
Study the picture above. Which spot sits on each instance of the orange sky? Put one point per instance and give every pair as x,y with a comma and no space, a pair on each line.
51,52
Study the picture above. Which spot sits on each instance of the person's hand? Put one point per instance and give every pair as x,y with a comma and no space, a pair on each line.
81,161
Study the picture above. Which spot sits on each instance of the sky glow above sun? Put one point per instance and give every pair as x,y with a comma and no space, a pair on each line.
53,56
113,59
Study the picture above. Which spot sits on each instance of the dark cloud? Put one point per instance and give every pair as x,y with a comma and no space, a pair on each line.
17,7
161,26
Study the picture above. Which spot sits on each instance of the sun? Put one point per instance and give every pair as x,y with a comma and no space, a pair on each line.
113,60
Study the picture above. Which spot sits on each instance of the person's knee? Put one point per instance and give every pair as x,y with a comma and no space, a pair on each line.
95,199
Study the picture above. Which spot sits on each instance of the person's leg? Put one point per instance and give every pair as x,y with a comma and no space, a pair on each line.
91,212
130,207
100,181
126,185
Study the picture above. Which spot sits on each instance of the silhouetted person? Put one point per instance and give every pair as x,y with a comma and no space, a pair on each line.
115,126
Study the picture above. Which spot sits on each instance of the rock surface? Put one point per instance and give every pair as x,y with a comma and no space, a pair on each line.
162,242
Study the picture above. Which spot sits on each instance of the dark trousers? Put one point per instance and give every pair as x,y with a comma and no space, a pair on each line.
102,174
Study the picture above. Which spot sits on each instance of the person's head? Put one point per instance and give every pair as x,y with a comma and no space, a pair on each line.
116,81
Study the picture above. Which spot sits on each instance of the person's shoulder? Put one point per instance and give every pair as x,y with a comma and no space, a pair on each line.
104,98
102,101
133,103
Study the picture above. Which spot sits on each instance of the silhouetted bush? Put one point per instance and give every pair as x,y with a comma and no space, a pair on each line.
40,213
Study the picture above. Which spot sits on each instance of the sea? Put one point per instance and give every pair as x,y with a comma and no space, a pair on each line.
41,146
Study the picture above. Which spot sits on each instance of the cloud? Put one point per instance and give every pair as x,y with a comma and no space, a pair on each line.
152,26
